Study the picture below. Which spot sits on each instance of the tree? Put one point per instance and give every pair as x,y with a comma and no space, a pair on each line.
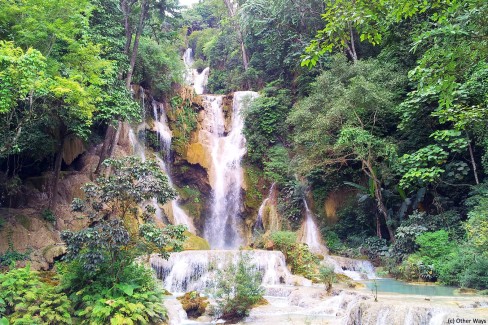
345,120
120,232
238,289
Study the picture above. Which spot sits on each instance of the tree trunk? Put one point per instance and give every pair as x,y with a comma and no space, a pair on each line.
55,180
378,226
351,49
112,147
245,57
370,172
382,209
473,162
135,47
109,135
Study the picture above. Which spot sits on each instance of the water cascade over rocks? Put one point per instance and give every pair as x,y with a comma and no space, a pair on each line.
197,270
222,228
311,233
164,136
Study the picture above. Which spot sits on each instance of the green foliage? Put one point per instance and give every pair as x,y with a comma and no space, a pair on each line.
158,65
184,123
238,289
135,299
327,276
48,215
298,256
290,202
264,125
20,74
103,256
24,299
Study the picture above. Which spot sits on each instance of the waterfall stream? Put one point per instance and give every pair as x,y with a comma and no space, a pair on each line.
311,233
222,228
164,136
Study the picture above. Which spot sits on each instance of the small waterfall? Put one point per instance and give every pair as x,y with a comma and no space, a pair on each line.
258,225
311,233
192,77
164,135
355,269
197,270
222,228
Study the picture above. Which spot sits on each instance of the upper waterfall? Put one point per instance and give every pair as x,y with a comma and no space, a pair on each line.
192,77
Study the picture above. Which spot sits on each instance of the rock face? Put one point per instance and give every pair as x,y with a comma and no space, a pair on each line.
25,231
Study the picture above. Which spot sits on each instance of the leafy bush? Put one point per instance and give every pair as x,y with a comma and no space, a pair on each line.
327,276
297,255
24,299
48,215
375,247
405,240
284,240
238,289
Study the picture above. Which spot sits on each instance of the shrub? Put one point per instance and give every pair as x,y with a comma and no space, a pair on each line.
327,276
24,299
239,288
297,255
135,299
375,247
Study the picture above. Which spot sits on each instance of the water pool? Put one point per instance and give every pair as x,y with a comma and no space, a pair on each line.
395,286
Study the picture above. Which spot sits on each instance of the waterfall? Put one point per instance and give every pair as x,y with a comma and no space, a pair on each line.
164,135
311,233
222,228
192,77
258,225
197,270
355,269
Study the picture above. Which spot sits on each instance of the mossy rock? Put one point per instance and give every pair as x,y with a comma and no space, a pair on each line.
193,304
193,243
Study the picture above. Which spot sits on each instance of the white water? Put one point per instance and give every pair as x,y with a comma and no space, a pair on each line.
222,228
197,270
311,233
355,269
192,77
164,135
258,225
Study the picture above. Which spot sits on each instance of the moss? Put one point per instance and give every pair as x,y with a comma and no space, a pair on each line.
194,242
193,202
193,304
25,221
252,178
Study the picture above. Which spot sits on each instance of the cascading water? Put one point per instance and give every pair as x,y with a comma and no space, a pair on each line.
197,270
258,225
311,233
164,136
192,77
222,228
355,269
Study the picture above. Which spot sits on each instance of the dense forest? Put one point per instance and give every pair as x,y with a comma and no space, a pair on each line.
376,110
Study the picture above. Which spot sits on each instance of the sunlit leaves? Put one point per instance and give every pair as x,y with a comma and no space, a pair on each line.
20,73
